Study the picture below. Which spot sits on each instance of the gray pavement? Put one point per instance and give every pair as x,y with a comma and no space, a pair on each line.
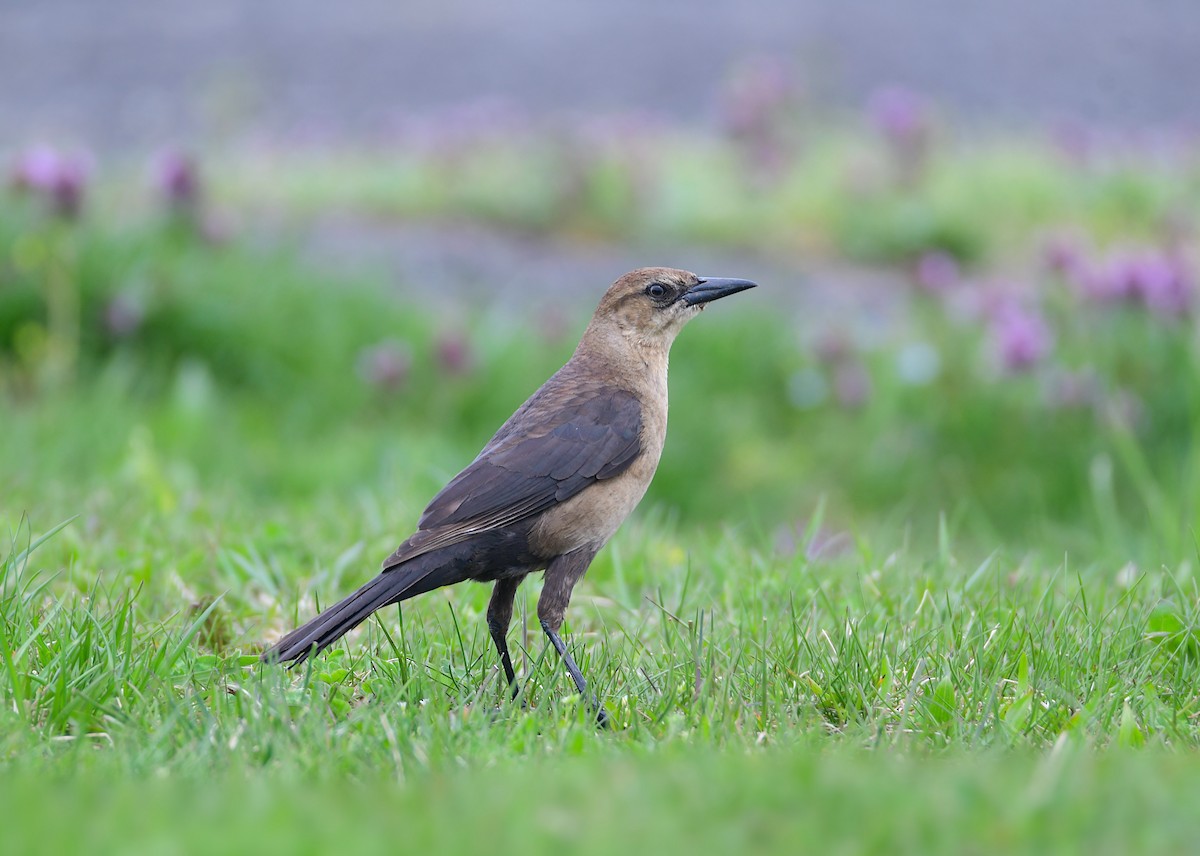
114,73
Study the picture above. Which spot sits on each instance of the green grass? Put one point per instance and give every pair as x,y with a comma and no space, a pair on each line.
674,801
876,699
707,636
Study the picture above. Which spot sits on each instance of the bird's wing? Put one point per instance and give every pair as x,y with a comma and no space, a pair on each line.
528,468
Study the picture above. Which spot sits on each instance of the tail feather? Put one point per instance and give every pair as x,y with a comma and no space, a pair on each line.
393,585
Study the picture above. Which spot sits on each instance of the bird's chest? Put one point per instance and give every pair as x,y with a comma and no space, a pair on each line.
594,515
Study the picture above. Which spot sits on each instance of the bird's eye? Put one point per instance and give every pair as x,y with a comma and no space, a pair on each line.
656,290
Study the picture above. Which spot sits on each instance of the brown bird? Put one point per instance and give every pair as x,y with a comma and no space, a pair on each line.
554,483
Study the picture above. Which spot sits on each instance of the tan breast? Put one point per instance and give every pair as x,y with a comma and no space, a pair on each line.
592,516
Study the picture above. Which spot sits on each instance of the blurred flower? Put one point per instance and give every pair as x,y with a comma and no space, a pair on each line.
1063,254
851,384
833,346
1075,141
900,114
176,178
756,107
823,544
453,353
937,272
905,121
1161,281
1021,337
979,301
60,179
123,316
1098,280
827,544
385,365
453,132
756,93
35,169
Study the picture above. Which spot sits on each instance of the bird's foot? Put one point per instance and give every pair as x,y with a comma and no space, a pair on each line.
603,720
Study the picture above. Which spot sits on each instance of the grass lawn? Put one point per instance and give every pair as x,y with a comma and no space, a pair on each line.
885,698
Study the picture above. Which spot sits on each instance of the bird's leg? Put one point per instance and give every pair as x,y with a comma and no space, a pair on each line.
561,576
568,660
499,616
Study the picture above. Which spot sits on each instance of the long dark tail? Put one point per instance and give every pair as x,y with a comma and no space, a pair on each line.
392,586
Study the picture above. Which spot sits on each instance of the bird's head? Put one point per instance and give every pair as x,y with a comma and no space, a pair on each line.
649,306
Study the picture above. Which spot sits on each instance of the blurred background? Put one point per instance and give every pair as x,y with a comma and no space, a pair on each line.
292,250
127,76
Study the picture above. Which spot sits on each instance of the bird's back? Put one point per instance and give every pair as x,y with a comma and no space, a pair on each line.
578,431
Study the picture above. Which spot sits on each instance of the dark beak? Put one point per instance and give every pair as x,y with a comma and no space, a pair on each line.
711,288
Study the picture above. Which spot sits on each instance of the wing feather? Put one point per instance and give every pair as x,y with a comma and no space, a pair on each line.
537,460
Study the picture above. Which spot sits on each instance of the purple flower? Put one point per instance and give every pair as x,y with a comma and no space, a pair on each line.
833,347
905,121
978,302
758,92
1064,254
1076,141
756,108
36,169
385,365
828,544
1099,280
60,179
455,131
1021,337
453,352
900,114
1160,281
821,545
937,272
177,180
851,385
67,195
